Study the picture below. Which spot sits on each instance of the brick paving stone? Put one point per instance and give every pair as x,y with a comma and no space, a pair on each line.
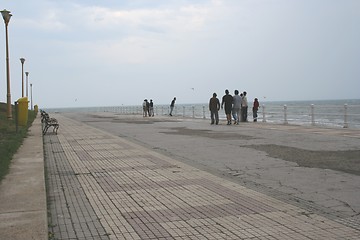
101,186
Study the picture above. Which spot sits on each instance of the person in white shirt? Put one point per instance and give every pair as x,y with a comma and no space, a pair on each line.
244,107
145,108
236,107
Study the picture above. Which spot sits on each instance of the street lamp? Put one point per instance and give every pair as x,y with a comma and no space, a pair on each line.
31,96
6,16
27,83
22,60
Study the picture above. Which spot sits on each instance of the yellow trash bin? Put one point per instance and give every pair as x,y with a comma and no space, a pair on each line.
23,111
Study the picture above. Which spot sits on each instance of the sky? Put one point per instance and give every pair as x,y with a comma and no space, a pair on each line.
113,53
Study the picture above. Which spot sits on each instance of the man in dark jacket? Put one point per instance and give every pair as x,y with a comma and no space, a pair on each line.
172,104
227,100
214,107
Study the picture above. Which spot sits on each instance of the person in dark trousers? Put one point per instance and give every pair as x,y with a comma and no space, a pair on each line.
172,106
227,99
255,109
244,107
148,108
241,115
151,108
214,107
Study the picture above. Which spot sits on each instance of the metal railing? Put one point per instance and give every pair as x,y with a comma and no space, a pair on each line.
345,116
327,115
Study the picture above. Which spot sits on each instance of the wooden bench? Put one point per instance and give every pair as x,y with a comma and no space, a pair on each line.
48,122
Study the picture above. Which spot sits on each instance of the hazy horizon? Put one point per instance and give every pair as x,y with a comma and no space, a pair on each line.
325,101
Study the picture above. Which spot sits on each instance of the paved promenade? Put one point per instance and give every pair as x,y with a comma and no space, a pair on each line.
102,186
23,213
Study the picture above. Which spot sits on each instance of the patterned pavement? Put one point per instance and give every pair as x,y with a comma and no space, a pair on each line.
101,186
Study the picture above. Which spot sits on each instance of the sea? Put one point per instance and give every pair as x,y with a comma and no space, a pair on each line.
322,113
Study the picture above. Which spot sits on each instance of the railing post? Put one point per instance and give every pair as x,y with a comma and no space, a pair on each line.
312,114
285,114
346,125
193,111
204,112
263,109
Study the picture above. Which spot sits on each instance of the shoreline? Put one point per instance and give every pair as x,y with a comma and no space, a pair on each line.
327,115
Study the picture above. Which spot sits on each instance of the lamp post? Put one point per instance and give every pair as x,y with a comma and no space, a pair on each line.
27,83
6,16
22,60
31,96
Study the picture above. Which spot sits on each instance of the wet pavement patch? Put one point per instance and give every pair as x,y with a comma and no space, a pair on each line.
145,120
208,134
141,121
344,161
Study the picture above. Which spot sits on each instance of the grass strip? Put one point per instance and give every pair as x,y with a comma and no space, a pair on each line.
10,140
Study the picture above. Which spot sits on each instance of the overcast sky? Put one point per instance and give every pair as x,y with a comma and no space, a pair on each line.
112,52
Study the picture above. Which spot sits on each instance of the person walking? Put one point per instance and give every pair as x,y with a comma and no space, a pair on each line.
214,107
244,107
255,109
227,100
237,107
172,106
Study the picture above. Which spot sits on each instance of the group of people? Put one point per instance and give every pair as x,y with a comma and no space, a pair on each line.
235,106
148,108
